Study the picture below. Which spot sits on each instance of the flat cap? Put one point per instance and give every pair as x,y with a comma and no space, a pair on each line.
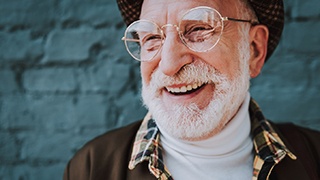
269,12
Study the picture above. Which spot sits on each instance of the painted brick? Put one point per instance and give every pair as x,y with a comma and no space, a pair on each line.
58,114
305,9
70,45
9,148
96,13
283,73
35,12
287,105
32,171
52,143
91,110
134,113
15,112
18,46
315,73
8,83
55,112
49,79
38,112
302,37
105,76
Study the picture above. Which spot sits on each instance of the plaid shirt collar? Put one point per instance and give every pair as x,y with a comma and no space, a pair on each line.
269,148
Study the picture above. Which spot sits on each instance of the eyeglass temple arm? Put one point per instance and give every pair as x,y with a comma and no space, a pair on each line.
127,39
253,22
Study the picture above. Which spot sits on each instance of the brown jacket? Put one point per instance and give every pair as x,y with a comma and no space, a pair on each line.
107,156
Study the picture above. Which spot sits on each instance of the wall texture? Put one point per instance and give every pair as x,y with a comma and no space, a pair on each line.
65,77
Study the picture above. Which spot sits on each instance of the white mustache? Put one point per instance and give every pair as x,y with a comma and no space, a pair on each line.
197,72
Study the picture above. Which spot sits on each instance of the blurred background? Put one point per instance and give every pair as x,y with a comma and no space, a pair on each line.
65,78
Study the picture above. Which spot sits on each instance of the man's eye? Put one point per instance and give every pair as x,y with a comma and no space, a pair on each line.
197,29
151,37
199,33
151,42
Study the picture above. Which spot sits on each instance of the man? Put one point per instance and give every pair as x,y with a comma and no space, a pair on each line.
197,57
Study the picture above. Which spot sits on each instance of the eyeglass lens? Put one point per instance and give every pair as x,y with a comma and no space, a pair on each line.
199,29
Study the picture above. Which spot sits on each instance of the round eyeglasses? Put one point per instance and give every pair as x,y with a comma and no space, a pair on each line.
199,29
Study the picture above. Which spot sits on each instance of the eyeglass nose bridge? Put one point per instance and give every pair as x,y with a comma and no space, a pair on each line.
170,25
176,27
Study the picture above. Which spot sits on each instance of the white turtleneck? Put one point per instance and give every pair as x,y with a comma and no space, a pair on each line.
227,155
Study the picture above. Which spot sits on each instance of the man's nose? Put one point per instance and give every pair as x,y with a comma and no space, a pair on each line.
174,54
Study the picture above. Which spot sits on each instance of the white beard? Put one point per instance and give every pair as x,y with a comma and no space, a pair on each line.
188,121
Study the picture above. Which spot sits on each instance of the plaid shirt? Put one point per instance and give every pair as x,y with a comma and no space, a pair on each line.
269,148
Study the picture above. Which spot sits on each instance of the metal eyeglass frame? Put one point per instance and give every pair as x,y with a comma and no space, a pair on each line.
177,27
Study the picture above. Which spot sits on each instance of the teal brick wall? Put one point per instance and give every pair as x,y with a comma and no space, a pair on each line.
65,78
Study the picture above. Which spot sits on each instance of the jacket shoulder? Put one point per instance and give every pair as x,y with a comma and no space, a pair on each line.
104,156
298,135
305,144
116,138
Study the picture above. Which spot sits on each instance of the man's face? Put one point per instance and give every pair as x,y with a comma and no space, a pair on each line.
192,95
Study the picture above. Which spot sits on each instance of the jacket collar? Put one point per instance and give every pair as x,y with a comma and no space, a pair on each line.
269,148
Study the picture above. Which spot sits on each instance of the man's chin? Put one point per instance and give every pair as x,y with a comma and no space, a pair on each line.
187,122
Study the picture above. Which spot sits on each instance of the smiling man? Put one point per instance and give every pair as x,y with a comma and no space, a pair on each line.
197,58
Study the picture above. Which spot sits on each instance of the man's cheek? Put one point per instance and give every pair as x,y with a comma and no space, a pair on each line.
145,76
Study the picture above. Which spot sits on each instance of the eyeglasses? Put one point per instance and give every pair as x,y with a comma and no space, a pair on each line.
199,29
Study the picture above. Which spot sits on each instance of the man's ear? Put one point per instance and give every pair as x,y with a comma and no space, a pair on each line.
259,35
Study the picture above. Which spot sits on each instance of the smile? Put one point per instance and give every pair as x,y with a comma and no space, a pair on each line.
185,89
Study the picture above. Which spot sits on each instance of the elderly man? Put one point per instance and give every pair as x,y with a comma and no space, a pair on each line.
197,57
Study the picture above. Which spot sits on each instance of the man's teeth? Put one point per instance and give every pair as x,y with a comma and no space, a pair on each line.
184,89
